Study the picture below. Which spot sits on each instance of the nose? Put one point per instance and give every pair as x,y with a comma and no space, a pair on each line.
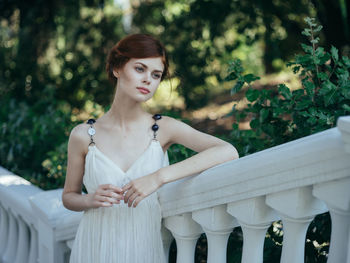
146,78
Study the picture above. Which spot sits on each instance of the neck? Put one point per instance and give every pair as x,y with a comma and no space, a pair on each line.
124,111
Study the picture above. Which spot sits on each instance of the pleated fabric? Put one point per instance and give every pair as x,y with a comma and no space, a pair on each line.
120,233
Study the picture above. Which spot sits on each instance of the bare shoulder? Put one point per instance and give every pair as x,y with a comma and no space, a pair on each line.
179,132
174,126
79,139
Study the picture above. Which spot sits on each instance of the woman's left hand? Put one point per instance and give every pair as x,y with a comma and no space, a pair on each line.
136,190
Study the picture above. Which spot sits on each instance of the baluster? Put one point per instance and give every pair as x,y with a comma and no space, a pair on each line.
255,217
297,208
167,238
336,195
33,251
23,242
4,226
217,225
186,232
10,251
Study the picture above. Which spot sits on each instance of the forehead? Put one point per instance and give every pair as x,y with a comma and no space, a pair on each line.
152,63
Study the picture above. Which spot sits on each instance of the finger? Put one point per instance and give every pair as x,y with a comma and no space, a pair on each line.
131,199
128,194
126,187
113,195
137,200
111,187
106,199
115,188
105,204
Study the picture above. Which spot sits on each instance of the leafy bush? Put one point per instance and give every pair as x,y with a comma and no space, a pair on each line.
281,115
32,139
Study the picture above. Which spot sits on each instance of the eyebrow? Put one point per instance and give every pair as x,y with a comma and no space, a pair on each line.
147,67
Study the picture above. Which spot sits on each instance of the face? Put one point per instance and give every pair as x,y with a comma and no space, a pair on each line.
140,77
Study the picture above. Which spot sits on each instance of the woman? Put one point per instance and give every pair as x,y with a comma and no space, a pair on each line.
122,156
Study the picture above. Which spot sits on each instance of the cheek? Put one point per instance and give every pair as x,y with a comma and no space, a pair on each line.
130,76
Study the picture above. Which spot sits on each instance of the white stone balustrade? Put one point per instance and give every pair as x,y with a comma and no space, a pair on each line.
18,222
293,182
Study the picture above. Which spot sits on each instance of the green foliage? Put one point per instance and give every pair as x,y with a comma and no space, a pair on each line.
201,39
281,115
33,139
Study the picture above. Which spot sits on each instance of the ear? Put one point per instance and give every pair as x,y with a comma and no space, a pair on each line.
115,73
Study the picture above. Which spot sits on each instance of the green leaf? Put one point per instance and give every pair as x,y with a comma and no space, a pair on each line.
264,113
254,124
334,52
297,94
309,87
319,52
252,94
235,66
326,88
315,41
231,76
303,104
307,48
306,32
346,107
312,120
346,61
318,29
250,77
322,76
237,87
285,91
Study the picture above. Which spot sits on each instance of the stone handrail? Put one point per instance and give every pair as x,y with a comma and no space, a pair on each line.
293,182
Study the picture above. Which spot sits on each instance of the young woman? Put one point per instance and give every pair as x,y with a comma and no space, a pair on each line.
122,160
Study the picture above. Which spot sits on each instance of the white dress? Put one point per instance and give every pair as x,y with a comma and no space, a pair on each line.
120,233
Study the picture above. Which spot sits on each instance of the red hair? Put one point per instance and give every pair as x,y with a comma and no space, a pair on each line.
135,46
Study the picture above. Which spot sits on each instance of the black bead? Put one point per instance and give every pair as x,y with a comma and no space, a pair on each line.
155,127
91,121
157,116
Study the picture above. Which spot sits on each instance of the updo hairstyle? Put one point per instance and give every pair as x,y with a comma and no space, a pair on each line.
135,46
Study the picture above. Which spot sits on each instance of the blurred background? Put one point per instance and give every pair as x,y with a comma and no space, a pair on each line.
52,77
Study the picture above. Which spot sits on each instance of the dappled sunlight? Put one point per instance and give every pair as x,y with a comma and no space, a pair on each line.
166,96
10,179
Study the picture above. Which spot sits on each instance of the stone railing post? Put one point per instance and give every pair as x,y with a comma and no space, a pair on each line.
54,227
255,217
336,194
186,232
4,228
297,208
167,238
11,247
217,225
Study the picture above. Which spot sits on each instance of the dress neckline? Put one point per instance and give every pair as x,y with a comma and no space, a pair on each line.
153,142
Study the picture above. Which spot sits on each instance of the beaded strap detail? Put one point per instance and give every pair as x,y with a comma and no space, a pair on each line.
91,130
155,126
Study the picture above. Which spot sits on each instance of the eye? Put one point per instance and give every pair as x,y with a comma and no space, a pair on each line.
139,69
157,75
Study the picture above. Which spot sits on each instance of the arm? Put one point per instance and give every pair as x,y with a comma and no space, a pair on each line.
211,151
105,195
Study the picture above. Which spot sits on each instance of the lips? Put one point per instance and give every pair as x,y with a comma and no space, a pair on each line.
143,90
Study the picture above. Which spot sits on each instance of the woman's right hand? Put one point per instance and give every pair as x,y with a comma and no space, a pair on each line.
105,196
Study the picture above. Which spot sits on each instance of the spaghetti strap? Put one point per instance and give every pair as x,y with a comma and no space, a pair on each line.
155,126
120,233
91,130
